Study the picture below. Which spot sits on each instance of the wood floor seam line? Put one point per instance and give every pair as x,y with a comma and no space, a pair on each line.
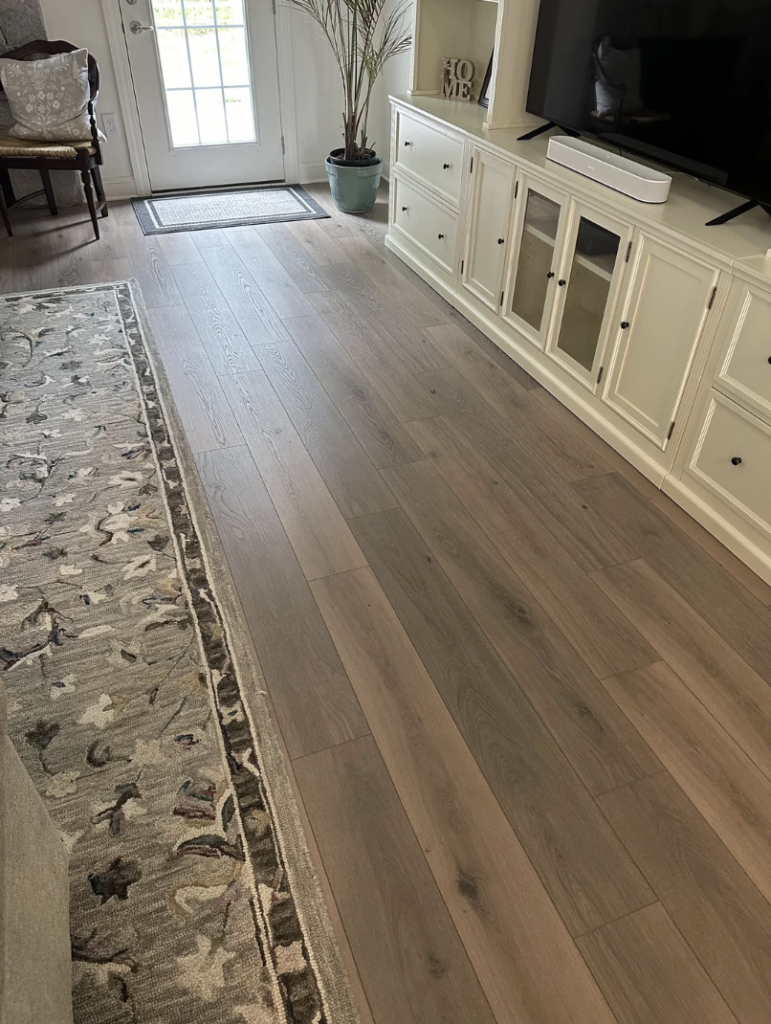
668,899
292,414
623,785
703,660
615,920
331,746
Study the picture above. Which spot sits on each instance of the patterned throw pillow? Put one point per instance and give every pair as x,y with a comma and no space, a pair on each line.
49,98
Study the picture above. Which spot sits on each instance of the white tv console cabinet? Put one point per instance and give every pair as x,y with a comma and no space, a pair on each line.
651,327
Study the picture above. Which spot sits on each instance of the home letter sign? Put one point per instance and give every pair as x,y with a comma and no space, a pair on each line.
457,78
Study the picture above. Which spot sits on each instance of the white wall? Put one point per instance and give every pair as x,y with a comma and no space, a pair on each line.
318,93
81,22
318,97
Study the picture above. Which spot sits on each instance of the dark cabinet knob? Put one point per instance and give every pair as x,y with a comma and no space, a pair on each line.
550,275
407,143
736,461
624,324
446,167
404,209
501,241
562,283
440,236
769,360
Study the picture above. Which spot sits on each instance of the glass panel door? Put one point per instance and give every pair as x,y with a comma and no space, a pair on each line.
205,74
205,68
531,291
588,289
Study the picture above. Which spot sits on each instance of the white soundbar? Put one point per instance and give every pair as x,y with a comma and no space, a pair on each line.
617,172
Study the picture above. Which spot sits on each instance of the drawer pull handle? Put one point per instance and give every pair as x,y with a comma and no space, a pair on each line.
404,209
769,360
550,275
407,143
624,325
736,461
501,241
440,236
446,167
562,282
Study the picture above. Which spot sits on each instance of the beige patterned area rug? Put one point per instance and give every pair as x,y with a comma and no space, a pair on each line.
134,697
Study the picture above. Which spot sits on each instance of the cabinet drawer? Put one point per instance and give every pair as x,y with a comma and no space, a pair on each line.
733,459
430,154
427,224
746,367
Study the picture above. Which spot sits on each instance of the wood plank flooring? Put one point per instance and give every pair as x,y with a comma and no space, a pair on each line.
526,700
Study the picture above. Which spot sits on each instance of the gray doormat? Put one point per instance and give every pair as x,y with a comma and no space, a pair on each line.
272,205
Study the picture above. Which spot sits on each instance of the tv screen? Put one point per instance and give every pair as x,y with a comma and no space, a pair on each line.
684,82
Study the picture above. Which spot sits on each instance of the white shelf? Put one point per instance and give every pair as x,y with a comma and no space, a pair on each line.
537,233
602,265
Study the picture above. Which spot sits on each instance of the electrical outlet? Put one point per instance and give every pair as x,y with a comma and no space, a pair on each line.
110,125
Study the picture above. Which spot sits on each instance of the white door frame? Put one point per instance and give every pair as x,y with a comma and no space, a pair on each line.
132,127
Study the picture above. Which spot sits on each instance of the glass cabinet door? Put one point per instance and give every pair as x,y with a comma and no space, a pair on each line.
588,288
531,278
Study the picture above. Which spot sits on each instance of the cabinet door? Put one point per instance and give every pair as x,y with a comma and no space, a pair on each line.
588,284
539,226
662,318
492,183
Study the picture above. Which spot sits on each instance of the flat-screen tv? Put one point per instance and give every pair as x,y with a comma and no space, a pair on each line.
683,82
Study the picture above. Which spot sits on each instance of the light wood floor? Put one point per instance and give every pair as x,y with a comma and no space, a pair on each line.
525,698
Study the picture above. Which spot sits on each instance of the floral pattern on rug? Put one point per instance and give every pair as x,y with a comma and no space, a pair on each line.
123,698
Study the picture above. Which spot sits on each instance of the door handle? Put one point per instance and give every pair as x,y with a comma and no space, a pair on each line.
137,28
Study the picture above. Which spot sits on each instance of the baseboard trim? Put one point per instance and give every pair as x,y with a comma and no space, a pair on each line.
718,526
120,188
312,172
315,172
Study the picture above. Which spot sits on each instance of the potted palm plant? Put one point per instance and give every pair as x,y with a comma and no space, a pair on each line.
364,36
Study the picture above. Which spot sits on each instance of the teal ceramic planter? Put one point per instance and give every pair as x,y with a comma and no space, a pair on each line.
354,186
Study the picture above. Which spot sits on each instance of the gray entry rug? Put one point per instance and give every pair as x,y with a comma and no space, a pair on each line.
134,697
272,205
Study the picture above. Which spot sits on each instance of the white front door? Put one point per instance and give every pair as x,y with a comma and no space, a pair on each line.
206,81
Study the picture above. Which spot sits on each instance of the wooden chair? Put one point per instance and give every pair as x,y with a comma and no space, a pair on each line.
85,157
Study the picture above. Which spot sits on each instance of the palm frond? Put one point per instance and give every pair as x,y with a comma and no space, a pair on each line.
363,37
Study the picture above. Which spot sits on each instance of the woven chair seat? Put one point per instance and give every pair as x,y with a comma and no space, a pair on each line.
11,147
81,156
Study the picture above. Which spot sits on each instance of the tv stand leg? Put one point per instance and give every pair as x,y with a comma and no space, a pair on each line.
737,212
546,128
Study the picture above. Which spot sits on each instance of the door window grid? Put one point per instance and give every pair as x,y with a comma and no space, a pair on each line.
208,94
